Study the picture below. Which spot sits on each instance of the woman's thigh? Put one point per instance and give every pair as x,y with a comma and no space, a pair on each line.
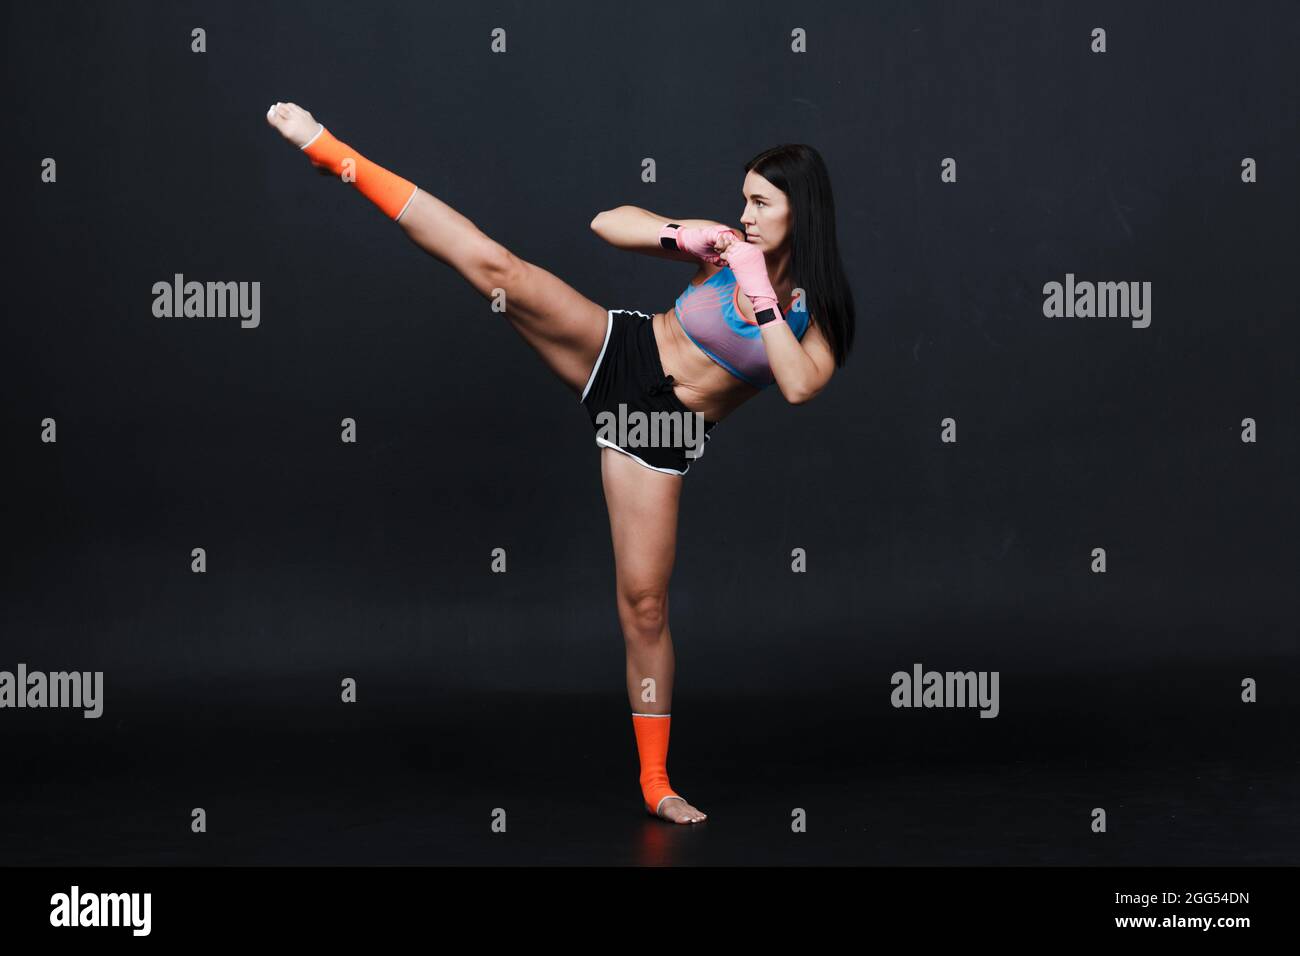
643,506
561,324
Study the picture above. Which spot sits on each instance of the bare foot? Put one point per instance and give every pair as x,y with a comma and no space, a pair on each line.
677,810
294,123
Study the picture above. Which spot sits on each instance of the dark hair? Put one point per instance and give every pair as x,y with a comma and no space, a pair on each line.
800,172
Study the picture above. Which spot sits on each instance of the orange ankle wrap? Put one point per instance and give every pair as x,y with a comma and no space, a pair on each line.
652,746
388,191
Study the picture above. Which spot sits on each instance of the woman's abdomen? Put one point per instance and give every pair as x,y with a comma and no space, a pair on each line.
702,384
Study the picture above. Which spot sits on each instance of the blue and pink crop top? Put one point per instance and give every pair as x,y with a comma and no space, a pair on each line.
710,316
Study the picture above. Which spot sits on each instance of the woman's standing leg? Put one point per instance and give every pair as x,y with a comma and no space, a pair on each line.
643,525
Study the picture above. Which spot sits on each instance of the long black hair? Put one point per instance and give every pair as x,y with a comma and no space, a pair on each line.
800,172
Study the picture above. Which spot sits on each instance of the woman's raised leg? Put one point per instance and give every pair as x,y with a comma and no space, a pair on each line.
563,326
643,525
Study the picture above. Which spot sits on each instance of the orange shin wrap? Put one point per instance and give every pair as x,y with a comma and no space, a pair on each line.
388,191
652,746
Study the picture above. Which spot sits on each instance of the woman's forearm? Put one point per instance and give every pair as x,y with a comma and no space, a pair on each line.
792,367
637,229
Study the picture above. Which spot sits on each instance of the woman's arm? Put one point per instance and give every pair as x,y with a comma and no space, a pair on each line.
637,229
801,368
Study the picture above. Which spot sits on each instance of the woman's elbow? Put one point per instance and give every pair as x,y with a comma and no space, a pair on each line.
798,396
604,216
803,393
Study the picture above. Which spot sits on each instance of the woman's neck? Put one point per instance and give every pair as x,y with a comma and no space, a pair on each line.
778,268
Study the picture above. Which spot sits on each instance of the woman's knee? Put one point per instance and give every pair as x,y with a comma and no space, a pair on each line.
487,267
500,263
643,612
485,263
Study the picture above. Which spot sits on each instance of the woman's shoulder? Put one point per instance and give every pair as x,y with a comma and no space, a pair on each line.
707,271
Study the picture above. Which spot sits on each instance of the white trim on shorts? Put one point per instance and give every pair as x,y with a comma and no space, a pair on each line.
609,327
605,443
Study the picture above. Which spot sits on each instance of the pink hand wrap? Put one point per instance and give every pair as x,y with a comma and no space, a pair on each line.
750,269
697,240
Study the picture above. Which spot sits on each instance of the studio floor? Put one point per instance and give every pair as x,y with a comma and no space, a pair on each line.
419,779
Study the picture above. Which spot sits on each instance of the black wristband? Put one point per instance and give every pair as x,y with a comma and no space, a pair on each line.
670,242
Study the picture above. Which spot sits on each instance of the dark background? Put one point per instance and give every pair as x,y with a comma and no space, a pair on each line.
479,690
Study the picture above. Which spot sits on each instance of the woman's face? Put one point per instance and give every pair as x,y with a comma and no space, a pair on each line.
767,213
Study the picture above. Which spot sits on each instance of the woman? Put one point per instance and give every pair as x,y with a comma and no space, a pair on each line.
734,330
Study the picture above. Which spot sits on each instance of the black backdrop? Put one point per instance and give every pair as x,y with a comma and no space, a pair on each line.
372,561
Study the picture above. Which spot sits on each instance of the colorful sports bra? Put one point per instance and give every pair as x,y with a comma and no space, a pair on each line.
710,316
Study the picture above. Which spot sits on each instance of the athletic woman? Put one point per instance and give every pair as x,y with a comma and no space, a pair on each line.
735,330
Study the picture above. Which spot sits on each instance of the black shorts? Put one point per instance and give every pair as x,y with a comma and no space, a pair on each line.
631,402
